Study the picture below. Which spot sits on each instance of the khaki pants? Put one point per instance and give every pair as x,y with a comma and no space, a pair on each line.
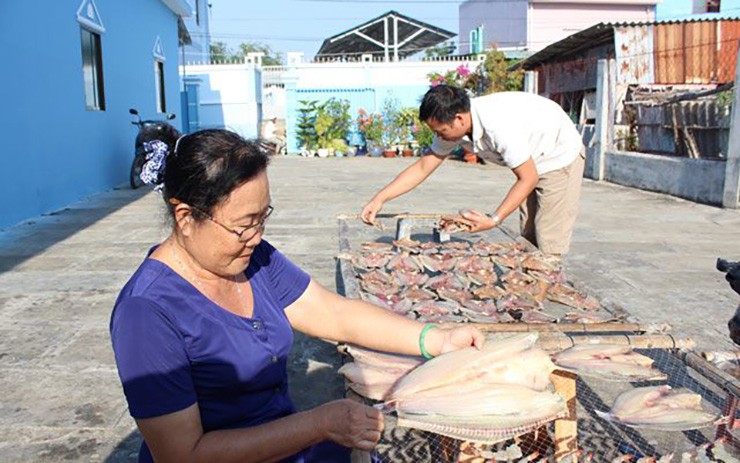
547,216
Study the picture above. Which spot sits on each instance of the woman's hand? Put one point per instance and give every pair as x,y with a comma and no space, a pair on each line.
370,210
350,424
462,337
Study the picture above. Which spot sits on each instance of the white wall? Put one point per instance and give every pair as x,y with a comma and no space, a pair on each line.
551,22
370,74
230,97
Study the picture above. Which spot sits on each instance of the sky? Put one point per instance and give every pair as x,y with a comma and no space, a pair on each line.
302,25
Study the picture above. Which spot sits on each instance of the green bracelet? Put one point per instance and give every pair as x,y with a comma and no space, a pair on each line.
423,335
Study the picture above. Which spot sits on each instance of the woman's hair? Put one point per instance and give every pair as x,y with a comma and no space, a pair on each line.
206,166
442,102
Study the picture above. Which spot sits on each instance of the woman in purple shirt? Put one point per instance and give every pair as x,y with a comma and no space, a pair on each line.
202,330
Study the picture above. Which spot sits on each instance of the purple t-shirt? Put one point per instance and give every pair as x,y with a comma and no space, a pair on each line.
175,347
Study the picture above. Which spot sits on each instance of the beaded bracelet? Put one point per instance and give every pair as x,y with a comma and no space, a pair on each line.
423,335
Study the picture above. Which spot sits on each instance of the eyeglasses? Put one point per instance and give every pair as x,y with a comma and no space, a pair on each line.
246,233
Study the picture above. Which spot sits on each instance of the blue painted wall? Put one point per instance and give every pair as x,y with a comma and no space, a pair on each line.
667,9
673,8
55,151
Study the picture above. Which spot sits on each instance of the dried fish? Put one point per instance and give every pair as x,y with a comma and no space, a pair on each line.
488,414
416,294
659,408
533,316
376,282
408,245
439,262
518,302
571,297
461,296
445,280
506,260
410,278
374,246
608,362
451,224
489,292
550,277
427,308
496,361
370,260
541,262
404,262
485,248
382,359
455,246
586,317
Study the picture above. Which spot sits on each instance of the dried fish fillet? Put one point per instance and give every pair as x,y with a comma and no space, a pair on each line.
488,414
382,359
608,362
463,402
372,374
660,408
461,364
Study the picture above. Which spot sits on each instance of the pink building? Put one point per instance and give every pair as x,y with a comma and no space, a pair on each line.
531,25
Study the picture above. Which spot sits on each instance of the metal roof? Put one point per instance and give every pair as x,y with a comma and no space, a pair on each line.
389,34
604,33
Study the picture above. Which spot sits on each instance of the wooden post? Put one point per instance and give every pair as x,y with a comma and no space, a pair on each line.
566,428
601,129
732,163
530,82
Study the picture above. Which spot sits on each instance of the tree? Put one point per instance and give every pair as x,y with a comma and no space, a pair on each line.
493,75
220,51
306,133
271,58
443,49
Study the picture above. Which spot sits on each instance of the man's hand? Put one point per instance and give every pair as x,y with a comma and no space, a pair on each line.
476,221
370,210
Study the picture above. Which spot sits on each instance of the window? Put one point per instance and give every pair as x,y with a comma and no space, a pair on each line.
92,70
713,6
159,82
197,12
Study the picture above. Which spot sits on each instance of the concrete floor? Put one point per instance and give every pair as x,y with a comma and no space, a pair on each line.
60,398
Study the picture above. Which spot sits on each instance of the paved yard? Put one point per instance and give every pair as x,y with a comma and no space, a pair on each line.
60,399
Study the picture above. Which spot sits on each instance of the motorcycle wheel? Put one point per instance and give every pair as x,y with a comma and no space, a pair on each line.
134,177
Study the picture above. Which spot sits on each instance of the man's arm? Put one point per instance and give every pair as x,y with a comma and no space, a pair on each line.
403,183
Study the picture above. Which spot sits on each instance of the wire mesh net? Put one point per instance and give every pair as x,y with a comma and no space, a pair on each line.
590,437
596,439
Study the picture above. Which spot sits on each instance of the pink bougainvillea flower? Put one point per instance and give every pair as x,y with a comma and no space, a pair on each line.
463,70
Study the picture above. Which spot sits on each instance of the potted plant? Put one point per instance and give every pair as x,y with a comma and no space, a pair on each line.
332,122
422,135
341,120
339,147
321,125
408,118
306,132
371,127
392,133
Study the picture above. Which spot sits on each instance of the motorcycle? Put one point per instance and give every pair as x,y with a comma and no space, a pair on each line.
149,130
732,270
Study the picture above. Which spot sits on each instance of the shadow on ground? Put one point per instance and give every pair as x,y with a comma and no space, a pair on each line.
30,238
